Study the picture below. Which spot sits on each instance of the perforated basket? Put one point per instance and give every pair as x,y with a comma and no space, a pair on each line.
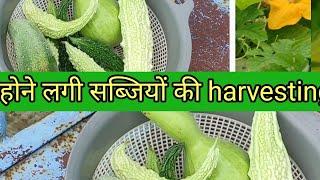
160,45
148,133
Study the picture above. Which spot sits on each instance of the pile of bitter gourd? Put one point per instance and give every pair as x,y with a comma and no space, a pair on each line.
50,41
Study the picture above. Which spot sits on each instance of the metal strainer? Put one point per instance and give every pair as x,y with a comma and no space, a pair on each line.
160,45
148,133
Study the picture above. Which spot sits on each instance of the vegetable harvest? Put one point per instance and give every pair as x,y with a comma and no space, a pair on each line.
233,162
168,168
273,35
268,156
102,55
125,168
152,161
81,61
86,41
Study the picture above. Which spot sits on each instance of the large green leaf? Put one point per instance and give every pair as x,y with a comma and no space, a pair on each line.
248,26
296,32
316,51
258,64
282,55
254,32
292,62
248,14
243,4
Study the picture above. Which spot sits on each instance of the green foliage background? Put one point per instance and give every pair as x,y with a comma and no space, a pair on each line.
315,35
262,49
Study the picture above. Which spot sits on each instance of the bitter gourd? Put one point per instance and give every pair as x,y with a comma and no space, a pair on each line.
181,126
81,61
64,64
125,168
62,13
102,55
32,49
63,10
137,42
55,28
152,161
54,50
269,159
168,168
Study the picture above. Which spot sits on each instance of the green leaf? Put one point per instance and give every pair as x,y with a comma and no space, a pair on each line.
258,64
280,56
315,16
261,49
251,24
243,4
239,48
302,47
267,49
283,46
300,35
292,62
249,14
254,32
316,51
295,32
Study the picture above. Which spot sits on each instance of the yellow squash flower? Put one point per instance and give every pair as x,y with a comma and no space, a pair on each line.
287,12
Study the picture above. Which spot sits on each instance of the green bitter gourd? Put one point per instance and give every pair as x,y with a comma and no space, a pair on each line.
33,53
269,159
137,41
62,12
54,50
125,168
168,168
81,61
152,161
55,28
102,55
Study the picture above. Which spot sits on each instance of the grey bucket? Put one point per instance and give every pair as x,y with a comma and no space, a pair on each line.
172,17
300,131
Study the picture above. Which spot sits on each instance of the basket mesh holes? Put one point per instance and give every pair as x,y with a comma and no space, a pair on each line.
160,53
